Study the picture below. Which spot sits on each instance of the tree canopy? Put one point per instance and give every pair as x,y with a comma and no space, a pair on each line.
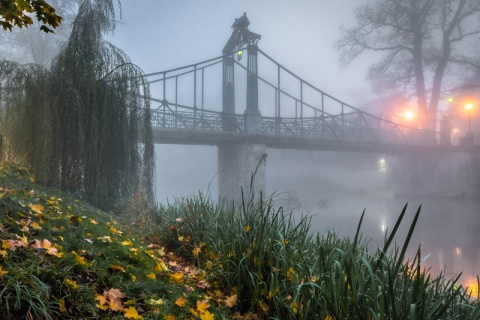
84,123
416,43
31,44
16,13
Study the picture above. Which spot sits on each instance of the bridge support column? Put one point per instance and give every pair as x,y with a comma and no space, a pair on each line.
228,121
237,164
252,114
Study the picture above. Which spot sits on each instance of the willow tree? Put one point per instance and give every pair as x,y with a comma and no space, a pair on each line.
84,124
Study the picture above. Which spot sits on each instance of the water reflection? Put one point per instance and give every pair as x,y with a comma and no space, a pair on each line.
447,231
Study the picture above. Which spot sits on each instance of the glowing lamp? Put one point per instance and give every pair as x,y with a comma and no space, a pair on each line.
239,55
409,115
473,289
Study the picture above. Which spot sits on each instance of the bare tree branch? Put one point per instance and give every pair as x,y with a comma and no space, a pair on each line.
415,40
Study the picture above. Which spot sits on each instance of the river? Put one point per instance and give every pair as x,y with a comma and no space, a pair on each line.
335,188
335,191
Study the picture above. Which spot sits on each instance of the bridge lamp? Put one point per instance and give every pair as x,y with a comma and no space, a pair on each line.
469,108
239,55
382,165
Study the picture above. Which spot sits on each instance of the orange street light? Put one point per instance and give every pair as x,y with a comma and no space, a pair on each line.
409,115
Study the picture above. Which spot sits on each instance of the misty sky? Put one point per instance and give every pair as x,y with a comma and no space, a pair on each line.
158,35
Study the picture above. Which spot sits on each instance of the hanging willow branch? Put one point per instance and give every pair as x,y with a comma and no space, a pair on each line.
75,127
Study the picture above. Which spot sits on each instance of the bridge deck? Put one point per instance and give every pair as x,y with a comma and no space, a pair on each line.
215,138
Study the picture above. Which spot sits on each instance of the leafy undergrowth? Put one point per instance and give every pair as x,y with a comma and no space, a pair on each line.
280,270
196,259
61,259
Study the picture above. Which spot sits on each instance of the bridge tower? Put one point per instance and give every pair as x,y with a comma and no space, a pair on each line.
237,162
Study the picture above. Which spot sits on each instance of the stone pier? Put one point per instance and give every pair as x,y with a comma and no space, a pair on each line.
241,167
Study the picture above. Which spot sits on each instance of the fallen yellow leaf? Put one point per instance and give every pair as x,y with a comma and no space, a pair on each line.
131,313
231,301
35,225
101,299
177,277
202,306
127,243
6,244
207,316
181,302
23,239
118,268
2,272
72,283
48,246
160,267
38,208
196,251
61,304
154,302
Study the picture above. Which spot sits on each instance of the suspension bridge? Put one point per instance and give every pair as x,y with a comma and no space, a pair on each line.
199,104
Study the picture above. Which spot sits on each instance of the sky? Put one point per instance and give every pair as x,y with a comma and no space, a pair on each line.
158,35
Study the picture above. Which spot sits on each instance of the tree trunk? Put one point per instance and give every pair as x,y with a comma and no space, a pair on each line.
441,66
419,76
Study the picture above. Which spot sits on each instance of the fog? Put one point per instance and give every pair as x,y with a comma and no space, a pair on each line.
333,187
161,35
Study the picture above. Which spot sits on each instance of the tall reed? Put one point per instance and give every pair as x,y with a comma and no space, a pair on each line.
280,269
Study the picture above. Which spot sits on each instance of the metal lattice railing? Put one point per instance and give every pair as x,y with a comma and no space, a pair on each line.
354,128
308,113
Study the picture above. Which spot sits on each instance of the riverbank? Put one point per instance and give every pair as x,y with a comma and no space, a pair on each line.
196,259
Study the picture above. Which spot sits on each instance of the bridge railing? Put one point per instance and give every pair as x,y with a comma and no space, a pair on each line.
348,122
336,128
308,113
352,127
175,116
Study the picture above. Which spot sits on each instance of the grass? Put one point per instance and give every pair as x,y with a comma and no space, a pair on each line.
196,259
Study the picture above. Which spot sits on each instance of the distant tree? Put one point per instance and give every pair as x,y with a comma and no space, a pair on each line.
16,13
471,70
84,123
416,41
32,44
